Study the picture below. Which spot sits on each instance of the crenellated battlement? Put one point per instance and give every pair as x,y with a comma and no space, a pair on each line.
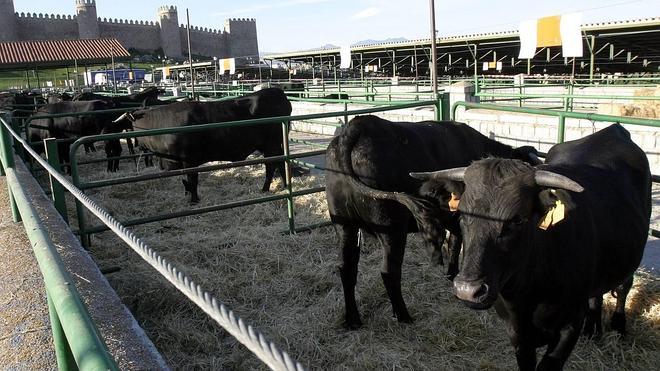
127,22
248,20
45,16
202,29
85,3
167,9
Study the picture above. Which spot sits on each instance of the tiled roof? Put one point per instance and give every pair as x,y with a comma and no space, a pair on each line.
52,52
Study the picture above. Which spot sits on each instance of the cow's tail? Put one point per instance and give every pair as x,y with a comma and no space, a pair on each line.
423,210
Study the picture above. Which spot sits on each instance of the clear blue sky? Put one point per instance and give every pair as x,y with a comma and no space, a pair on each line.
289,25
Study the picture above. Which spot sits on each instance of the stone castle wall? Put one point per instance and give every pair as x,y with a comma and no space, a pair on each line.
207,42
237,39
143,36
46,27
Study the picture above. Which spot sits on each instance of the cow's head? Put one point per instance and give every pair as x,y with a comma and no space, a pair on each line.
502,202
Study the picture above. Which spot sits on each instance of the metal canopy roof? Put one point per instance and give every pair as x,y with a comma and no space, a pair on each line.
621,46
56,53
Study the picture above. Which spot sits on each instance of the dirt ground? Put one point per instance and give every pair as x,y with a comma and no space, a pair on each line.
25,337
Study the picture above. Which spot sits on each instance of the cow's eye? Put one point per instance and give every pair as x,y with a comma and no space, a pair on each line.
512,225
517,220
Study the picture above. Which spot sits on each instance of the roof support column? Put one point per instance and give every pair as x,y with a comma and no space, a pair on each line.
313,69
434,51
592,57
361,68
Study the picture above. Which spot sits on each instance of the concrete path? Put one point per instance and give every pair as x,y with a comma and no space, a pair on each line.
26,342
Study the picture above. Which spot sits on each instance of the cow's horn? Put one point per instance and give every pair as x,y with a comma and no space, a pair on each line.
451,174
554,180
121,118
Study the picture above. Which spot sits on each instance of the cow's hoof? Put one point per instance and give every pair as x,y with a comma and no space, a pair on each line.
549,364
592,329
352,324
619,323
405,318
451,274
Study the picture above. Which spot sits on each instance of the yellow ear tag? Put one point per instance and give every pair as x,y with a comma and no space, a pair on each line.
453,203
553,216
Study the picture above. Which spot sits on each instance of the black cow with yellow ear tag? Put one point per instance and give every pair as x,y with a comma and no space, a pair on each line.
544,243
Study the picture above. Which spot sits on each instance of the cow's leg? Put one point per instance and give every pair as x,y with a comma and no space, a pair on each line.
523,335
434,249
453,251
63,152
270,172
394,244
593,327
148,158
618,322
561,347
191,186
113,149
348,269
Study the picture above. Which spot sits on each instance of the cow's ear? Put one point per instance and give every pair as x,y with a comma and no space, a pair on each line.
554,206
441,188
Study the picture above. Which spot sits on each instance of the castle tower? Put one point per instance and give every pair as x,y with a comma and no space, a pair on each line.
170,36
88,25
242,39
7,21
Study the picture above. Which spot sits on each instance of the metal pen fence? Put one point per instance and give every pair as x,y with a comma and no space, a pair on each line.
84,230
561,126
77,342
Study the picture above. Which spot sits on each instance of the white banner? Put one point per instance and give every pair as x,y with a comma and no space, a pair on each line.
345,54
527,32
571,35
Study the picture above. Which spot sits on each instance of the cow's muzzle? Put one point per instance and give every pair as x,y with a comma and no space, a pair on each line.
475,294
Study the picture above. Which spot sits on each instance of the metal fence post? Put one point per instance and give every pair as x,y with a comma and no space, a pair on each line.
65,359
345,116
287,176
561,129
56,188
80,210
8,161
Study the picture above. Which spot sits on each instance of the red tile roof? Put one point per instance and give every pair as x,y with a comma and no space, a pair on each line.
62,52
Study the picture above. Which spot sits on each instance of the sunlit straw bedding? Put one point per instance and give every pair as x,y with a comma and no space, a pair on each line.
288,287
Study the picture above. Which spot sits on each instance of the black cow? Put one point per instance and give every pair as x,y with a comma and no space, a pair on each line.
150,95
222,144
72,127
336,96
544,272
367,186
58,97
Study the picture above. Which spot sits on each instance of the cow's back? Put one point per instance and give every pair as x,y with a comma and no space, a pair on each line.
381,154
225,143
613,212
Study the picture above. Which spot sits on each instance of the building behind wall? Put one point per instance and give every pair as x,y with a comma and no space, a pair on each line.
238,39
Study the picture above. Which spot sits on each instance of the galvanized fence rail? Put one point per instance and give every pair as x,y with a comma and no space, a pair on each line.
75,328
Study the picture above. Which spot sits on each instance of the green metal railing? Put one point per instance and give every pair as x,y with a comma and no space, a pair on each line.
78,344
561,127
82,348
561,115
84,230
